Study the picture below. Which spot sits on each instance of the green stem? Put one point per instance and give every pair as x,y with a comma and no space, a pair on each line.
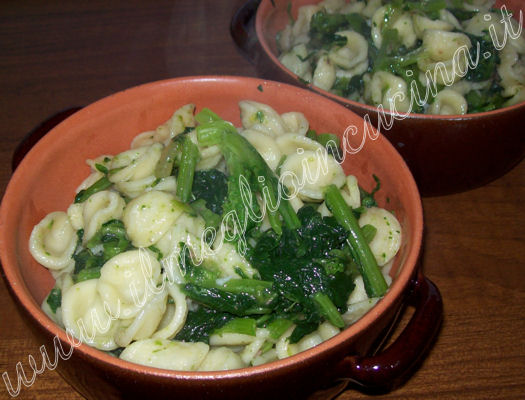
329,310
373,279
189,158
102,184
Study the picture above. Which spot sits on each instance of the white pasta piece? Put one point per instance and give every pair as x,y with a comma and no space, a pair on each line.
209,156
359,292
135,187
490,22
405,28
167,354
356,70
447,16
516,39
351,192
266,357
167,184
422,23
283,347
295,61
511,69
371,8
324,74
56,317
181,119
144,323
309,173
230,339
357,310
378,21
284,39
265,145
221,359
188,230
147,139
90,180
128,281
323,210
311,340
446,55
53,241
332,6
326,330
291,143
296,203
354,52
301,25
463,86
250,351
295,122
86,317
226,258
148,217
386,271
448,102
64,280
135,164
517,96
390,91
353,7
99,208
261,117
74,213
174,320
478,5
103,160
387,240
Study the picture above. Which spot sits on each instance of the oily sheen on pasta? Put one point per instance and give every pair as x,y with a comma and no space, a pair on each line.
210,247
403,54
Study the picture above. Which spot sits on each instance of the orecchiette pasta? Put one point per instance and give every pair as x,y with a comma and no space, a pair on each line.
448,102
149,216
446,55
98,209
307,173
353,53
376,51
128,281
324,73
182,285
86,316
167,354
390,91
387,240
53,241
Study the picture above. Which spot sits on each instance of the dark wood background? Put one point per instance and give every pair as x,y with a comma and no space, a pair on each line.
59,54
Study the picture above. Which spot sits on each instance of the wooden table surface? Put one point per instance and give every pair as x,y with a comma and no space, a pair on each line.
55,55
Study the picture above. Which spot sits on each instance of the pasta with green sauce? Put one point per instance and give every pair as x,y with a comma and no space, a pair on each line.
210,247
435,56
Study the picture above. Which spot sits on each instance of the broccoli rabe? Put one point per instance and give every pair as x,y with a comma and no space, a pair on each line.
248,175
107,242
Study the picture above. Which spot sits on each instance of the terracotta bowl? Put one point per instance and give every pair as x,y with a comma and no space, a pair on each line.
446,154
46,179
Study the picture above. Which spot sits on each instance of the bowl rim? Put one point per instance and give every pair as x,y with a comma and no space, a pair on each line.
21,294
261,37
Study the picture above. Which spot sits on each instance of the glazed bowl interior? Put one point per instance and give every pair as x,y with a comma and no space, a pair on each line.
446,153
46,180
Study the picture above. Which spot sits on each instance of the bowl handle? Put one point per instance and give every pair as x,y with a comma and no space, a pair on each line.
38,133
385,370
242,30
